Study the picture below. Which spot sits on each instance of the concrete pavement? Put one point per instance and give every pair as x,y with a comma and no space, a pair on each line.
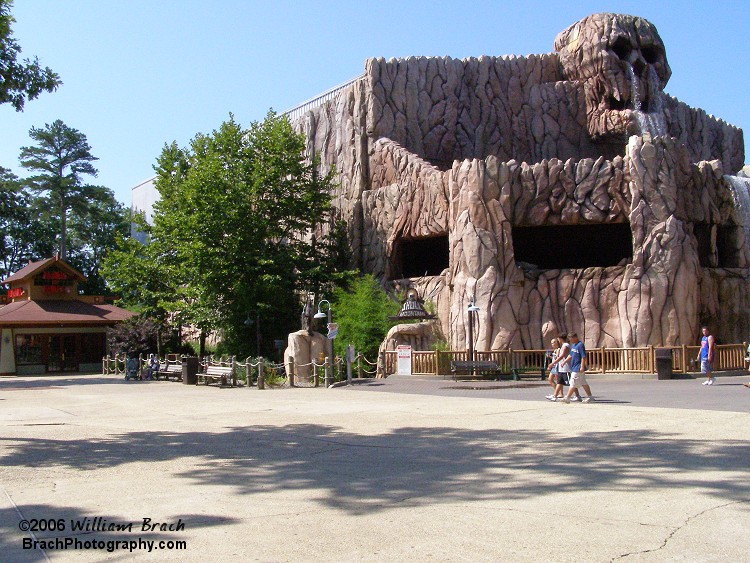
390,470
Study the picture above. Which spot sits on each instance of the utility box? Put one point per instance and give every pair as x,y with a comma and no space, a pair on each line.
190,368
663,363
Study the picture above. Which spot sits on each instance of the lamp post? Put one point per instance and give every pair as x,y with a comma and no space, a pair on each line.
471,309
248,322
329,344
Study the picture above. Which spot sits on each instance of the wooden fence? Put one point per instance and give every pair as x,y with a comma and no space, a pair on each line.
599,360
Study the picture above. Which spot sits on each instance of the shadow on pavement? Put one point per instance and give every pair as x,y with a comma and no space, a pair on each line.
409,466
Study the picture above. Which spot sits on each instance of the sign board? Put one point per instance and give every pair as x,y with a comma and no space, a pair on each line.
15,292
333,330
403,360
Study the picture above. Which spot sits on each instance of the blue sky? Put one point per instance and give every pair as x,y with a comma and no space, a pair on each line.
141,73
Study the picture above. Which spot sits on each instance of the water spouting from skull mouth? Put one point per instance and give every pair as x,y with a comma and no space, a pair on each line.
652,122
740,188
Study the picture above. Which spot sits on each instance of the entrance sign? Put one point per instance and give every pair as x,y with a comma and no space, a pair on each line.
333,330
403,360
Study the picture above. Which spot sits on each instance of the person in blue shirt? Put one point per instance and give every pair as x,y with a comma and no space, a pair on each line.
706,356
577,369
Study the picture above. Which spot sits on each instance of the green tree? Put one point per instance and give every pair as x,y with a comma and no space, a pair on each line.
93,232
25,232
24,80
59,159
362,313
243,225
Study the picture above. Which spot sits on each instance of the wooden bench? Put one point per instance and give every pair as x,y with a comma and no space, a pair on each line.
476,369
518,373
491,369
221,373
171,369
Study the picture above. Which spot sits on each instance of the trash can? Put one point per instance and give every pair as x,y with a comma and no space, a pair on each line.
190,368
663,363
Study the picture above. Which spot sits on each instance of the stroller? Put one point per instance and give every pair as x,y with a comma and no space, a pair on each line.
131,368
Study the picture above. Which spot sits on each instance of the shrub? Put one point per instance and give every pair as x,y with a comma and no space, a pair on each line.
362,315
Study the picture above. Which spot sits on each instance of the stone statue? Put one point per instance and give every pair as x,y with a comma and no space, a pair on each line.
307,313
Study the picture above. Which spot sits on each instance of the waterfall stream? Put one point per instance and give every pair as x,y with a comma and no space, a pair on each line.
740,188
652,122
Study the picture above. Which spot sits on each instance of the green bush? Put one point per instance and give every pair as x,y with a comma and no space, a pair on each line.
362,314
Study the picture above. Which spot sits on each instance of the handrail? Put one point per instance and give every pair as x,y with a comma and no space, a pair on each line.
296,112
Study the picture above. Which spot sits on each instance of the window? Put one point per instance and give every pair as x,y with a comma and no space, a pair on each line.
28,349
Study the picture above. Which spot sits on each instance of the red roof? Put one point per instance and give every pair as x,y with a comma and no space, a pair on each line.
60,312
33,267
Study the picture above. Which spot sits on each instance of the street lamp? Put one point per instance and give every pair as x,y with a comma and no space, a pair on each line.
329,344
249,322
471,309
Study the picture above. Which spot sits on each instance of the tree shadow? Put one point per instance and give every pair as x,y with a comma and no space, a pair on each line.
361,473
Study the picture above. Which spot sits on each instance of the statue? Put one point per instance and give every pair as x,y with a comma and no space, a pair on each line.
306,318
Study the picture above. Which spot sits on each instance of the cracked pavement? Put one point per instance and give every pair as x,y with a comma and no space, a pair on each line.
379,472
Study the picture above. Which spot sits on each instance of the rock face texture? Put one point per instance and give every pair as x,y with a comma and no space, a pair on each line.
563,191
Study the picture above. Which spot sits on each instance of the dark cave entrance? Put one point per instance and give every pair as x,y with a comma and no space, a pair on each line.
572,246
417,257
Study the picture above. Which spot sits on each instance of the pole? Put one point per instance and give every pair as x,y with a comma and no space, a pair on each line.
327,368
349,355
471,337
257,334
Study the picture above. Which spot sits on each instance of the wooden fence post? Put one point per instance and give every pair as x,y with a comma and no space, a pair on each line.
290,375
327,371
261,374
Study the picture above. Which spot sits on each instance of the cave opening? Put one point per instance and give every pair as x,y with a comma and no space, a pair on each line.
416,257
572,246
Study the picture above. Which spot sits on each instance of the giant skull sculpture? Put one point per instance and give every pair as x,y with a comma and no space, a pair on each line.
621,61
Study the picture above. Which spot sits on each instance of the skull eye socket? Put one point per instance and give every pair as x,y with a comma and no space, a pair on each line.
650,54
621,47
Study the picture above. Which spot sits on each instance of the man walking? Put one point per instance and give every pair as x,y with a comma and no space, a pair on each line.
577,369
706,356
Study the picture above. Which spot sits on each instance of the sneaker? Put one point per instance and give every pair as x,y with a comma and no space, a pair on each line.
707,382
566,400
588,400
711,381
551,398
575,399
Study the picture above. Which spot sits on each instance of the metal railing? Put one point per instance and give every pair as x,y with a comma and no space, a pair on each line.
298,111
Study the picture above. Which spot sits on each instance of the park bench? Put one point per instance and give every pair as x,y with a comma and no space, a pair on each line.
221,373
518,373
491,369
170,369
476,369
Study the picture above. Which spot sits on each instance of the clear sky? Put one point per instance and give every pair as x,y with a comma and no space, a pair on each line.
141,73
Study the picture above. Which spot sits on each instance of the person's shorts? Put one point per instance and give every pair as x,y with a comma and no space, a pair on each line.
562,378
706,366
577,379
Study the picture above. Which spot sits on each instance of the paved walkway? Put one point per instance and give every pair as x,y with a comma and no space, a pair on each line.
728,394
402,469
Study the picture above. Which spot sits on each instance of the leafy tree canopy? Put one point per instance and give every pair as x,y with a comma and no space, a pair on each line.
20,80
244,225
58,160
